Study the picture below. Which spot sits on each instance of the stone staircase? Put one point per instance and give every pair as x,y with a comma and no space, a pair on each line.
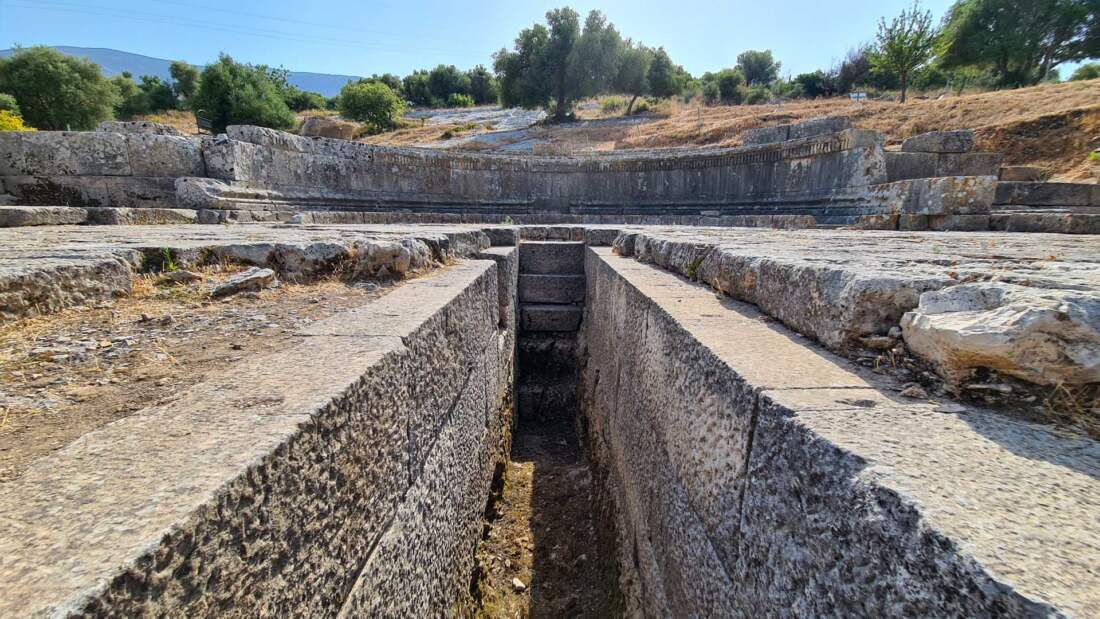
551,306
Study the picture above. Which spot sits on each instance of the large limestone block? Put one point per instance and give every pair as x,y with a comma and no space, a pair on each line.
551,288
1041,336
18,216
165,155
940,142
551,258
78,153
138,126
328,127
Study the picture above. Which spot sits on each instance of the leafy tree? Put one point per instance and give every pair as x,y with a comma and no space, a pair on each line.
447,79
391,80
302,100
131,99
594,61
730,83
185,79
484,88
632,77
417,88
905,44
158,93
665,78
712,95
57,91
759,68
8,103
1021,41
1089,71
522,72
564,28
231,93
372,103
817,84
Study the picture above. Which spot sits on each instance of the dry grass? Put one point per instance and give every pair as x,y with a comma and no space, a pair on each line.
180,120
1054,126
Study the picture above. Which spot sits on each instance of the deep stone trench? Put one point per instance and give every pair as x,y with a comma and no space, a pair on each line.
546,549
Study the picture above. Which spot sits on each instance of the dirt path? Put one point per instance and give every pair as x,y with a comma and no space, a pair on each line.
539,556
67,374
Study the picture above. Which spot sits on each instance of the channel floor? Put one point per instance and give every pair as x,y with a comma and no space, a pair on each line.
540,555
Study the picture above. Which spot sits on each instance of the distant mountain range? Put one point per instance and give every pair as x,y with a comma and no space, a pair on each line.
113,62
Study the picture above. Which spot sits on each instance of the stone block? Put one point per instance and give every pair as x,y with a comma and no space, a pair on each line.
75,153
536,318
766,135
551,289
165,155
112,216
959,223
1045,194
961,141
502,237
819,126
18,216
139,126
551,258
1022,174
904,166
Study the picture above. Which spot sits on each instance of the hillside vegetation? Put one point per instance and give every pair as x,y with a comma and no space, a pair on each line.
1054,126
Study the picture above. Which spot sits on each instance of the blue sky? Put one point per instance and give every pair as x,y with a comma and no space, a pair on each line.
360,38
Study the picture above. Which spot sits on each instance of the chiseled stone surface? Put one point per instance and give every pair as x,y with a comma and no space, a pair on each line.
753,472
1048,337
256,494
838,287
961,141
19,216
46,269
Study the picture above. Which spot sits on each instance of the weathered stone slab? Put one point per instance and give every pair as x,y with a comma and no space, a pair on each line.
245,506
1041,221
329,127
551,288
138,126
112,216
17,216
551,258
940,142
538,318
714,431
1041,336
1022,174
956,195
905,166
1046,194
811,128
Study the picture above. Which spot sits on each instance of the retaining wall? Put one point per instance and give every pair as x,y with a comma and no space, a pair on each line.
344,476
754,475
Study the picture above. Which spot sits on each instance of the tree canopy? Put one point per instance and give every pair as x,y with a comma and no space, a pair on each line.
905,44
231,93
56,91
1021,41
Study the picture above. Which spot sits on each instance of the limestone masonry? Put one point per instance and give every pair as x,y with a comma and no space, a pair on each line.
857,382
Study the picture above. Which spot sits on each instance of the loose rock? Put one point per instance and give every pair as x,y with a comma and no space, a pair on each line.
252,280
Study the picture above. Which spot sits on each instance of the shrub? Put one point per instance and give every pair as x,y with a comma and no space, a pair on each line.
8,103
712,94
372,103
756,95
10,121
57,91
231,93
1089,71
459,100
730,83
302,100
612,105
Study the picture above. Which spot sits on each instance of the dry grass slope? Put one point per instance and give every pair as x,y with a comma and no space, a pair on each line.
1054,126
